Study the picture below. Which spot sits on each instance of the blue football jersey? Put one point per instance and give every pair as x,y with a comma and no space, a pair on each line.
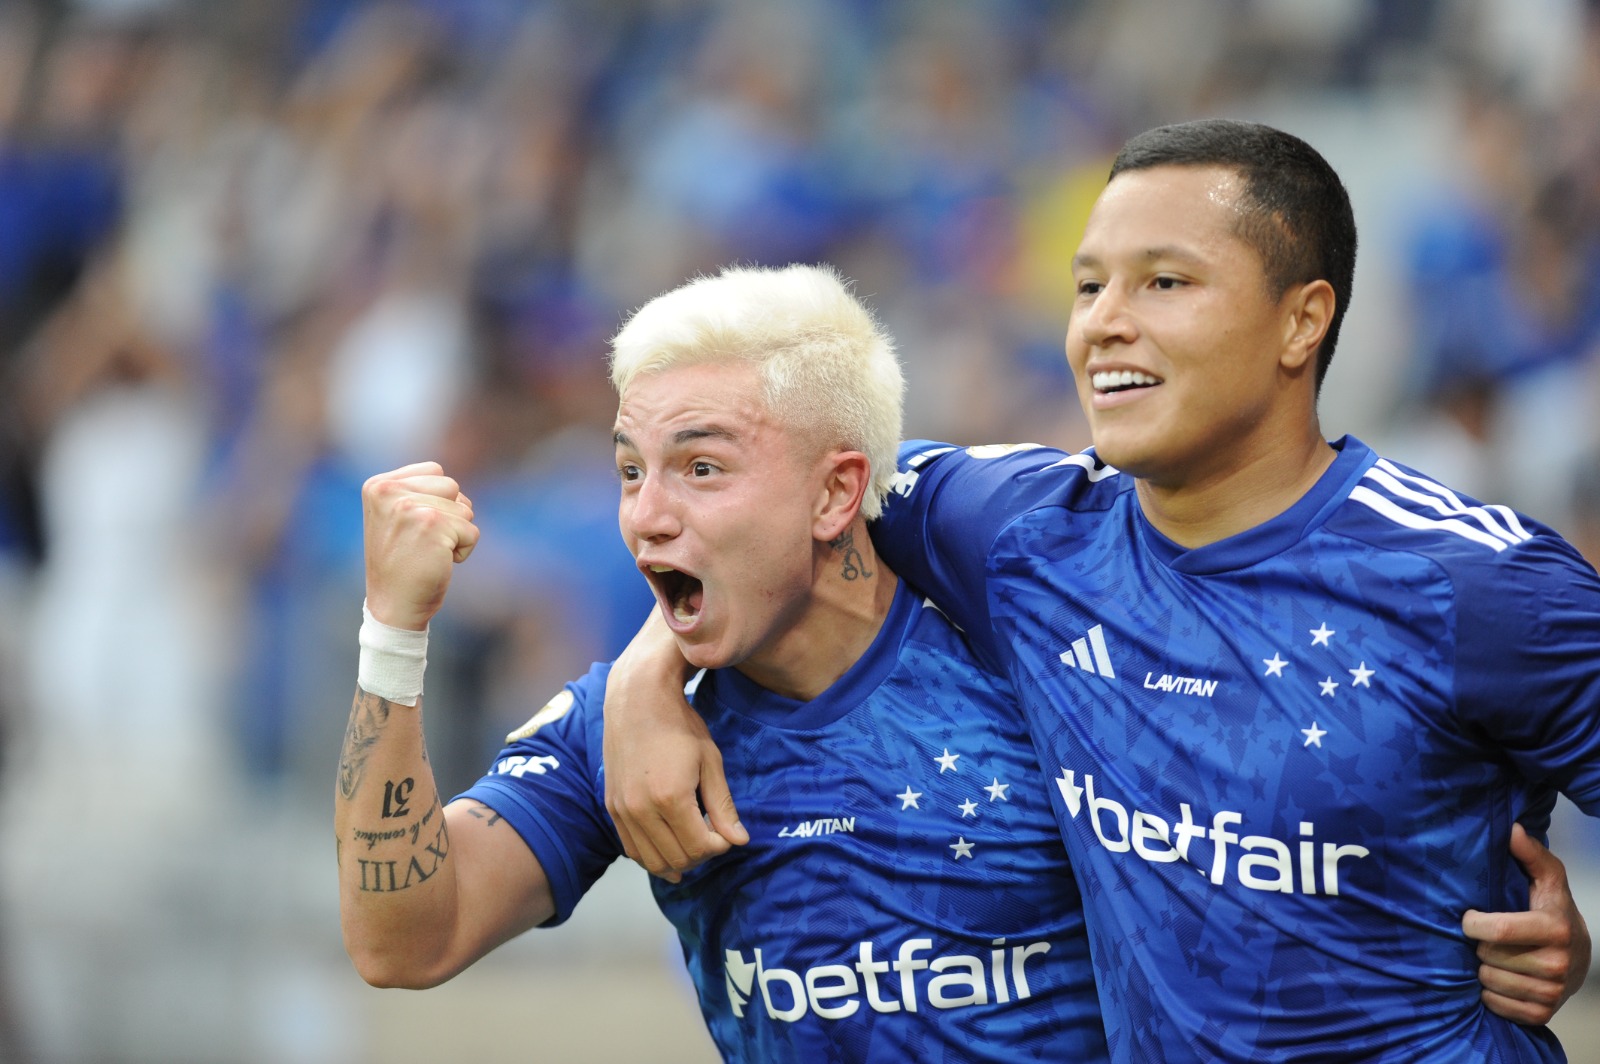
1284,763
905,894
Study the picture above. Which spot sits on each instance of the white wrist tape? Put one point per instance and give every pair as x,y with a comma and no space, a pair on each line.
392,660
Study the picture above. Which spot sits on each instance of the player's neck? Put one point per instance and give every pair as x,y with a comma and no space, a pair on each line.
852,591
1257,486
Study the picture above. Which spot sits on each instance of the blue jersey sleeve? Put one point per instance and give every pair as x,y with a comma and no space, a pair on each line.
947,506
547,784
1528,665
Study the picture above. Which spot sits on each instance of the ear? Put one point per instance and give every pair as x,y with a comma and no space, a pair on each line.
846,476
1308,311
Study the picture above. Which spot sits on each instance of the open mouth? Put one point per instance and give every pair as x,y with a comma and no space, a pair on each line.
682,593
1109,382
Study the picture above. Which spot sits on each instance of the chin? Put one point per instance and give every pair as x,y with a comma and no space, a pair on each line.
1114,453
1115,449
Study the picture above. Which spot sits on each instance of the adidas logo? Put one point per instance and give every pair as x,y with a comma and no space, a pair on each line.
1089,654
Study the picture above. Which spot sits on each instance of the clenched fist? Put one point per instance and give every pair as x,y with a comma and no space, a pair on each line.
417,525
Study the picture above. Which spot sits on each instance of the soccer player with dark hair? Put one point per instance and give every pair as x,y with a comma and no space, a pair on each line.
1293,699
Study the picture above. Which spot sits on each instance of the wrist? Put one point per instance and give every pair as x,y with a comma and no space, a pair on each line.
655,651
663,667
392,660
395,612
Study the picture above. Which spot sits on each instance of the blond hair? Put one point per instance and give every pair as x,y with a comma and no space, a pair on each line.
827,368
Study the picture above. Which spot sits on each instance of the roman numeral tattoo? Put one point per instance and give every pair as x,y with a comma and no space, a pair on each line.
386,877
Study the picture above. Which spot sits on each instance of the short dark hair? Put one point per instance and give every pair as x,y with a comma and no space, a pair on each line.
1296,212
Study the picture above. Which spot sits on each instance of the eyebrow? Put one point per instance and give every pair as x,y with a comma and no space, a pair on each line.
683,436
1164,251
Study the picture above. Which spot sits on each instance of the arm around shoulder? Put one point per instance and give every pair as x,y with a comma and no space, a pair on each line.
662,766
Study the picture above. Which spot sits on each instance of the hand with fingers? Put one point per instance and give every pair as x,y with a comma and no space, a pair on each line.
665,787
1532,961
417,524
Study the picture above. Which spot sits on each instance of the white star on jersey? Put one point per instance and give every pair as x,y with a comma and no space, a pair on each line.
962,847
1363,676
998,790
1274,664
1320,634
968,808
947,762
908,800
1328,687
1313,735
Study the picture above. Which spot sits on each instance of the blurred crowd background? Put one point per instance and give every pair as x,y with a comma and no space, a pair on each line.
253,251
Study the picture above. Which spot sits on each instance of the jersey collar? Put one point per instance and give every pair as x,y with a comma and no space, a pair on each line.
732,690
1253,545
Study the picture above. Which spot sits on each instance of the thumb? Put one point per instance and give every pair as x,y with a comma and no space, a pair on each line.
1546,873
718,802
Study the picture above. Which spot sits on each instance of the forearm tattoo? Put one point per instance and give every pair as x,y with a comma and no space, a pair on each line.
428,840
854,564
368,716
386,877
395,797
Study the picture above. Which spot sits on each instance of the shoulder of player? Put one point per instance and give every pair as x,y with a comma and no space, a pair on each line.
1032,475
1394,507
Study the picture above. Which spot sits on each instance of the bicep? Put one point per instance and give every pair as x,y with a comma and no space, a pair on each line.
502,889
1530,670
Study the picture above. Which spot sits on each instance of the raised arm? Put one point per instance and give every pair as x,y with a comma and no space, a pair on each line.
665,787
424,890
1532,961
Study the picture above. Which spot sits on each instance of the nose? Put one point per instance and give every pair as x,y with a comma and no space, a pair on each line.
1104,319
649,513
